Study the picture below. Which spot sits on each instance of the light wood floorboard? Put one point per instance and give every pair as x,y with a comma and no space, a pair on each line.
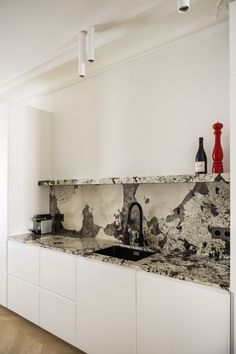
19,336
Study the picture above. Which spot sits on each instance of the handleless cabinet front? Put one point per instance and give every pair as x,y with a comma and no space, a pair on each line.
23,280
106,313
57,273
177,317
57,293
23,299
23,262
57,315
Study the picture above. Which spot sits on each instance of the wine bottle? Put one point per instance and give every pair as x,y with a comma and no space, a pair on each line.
201,159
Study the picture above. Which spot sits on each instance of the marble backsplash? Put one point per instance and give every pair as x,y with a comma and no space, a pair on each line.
177,217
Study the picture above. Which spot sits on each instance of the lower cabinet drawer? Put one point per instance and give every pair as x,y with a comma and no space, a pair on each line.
57,273
23,299
57,315
23,262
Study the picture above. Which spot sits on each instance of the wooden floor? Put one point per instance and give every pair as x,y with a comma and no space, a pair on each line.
19,336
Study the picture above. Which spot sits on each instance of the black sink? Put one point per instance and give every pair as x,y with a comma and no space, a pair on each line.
130,254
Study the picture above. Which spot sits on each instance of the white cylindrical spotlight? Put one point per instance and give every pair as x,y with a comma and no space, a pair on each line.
82,54
90,44
183,5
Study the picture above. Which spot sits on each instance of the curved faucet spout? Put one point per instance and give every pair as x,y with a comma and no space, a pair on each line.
132,205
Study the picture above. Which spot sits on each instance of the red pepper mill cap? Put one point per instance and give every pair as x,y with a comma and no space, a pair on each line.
217,154
217,126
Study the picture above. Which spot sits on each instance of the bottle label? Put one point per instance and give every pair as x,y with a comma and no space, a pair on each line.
200,166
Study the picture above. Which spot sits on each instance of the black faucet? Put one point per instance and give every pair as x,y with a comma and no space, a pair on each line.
141,238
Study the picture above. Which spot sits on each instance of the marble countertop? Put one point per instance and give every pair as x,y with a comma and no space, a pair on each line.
138,180
198,269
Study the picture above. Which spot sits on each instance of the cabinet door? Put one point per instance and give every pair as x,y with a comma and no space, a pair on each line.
176,317
106,316
23,262
57,315
23,298
3,200
29,160
57,273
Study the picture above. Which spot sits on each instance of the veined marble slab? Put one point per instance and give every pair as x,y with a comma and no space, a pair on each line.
198,269
138,180
176,217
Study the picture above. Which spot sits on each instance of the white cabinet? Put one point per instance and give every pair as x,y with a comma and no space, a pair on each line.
106,308
23,262
57,273
23,298
25,157
57,277
3,200
29,159
27,292
176,317
57,315
23,280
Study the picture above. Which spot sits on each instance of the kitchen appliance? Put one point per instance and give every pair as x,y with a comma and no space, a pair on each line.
42,224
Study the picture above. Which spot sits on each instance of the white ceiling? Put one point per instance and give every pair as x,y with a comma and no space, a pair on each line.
37,36
32,31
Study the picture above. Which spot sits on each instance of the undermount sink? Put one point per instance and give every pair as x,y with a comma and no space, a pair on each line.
130,254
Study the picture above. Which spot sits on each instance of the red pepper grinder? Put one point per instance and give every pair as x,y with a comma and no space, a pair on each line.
217,154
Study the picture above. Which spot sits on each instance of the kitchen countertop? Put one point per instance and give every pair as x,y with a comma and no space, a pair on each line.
198,269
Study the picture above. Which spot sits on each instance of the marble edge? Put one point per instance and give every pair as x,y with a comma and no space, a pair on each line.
191,178
108,259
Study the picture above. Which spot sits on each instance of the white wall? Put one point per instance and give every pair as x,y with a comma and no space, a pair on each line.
233,165
144,117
